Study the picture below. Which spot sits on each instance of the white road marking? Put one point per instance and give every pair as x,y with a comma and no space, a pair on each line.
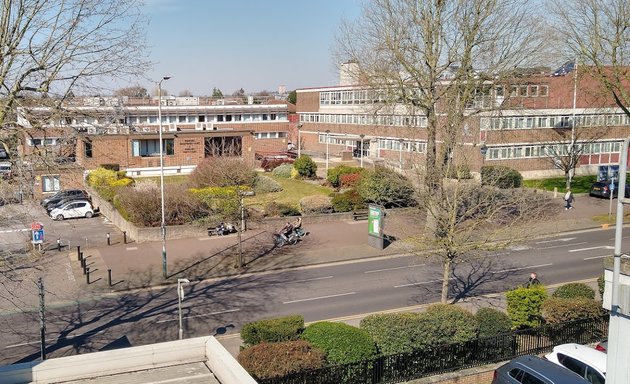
313,279
591,248
357,222
521,268
319,298
551,241
15,230
564,245
131,248
596,257
201,315
420,283
395,268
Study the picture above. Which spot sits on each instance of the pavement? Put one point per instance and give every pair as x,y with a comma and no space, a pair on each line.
139,265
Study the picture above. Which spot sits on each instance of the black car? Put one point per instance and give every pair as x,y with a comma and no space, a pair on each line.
602,189
64,194
532,369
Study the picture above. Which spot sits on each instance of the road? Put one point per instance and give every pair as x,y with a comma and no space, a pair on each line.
330,291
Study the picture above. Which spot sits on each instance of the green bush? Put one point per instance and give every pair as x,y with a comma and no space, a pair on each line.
305,166
395,333
316,204
266,184
108,183
524,306
558,310
341,342
347,201
269,360
283,171
386,187
449,324
335,173
491,322
601,283
574,291
272,330
501,176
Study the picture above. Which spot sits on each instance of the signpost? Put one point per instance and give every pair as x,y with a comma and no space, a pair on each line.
37,230
376,215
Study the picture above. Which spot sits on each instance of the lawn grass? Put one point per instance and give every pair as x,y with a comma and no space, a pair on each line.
293,190
580,184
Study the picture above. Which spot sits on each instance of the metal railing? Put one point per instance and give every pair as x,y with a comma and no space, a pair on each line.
451,357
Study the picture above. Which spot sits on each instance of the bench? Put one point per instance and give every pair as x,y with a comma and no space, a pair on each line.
361,214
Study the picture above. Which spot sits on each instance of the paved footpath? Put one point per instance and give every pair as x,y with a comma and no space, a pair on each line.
139,265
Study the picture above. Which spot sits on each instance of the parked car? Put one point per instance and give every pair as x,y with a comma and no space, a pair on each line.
73,209
602,346
602,189
5,170
531,369
64,194
585,361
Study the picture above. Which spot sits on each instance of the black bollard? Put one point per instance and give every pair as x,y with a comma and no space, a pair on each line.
124,237
79,252
58,245
109,276
87,275
108,239
84,267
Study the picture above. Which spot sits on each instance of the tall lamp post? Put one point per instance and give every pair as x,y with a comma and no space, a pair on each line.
163,223
299,128
361,136
483,150
327,141
180,297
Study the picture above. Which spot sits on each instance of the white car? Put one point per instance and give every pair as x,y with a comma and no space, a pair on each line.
72,209
585,361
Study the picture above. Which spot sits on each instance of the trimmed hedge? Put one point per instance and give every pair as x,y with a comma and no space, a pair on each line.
395,333
447,323
557,310
272,330
524,306
269,360
574,291
341,342
316,204
305,166
491,322
283,170
501,176
386,187
347,201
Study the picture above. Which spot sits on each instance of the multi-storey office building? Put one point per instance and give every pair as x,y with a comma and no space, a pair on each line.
125,133
526,124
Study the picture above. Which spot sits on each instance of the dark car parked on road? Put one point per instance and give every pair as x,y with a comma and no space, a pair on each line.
602,189
64,194
531,369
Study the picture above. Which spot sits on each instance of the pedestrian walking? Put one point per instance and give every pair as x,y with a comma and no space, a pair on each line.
533,280
569,199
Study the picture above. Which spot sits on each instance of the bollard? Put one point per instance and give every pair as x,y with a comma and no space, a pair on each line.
87,275
79,252
124,237
82,261
108,239
58,244
109,276
84,267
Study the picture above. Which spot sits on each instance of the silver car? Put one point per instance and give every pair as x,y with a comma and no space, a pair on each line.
531,369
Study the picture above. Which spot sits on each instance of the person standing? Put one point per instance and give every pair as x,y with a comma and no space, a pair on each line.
533,280
569,199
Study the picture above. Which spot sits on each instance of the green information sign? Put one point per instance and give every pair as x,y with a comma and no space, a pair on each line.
375,221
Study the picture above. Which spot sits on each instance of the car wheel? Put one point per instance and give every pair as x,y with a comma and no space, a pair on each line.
88,214
59,217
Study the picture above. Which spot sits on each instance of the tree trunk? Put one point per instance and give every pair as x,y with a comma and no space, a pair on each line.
445,279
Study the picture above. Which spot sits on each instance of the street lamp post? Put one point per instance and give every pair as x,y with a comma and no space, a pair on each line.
299,128
327,142
163,222
361,136
180,297
243,225
483,150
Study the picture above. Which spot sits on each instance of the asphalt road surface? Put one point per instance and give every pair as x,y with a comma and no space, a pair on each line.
336,290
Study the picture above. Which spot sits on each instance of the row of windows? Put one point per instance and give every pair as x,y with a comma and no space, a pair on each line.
391,120
270,135
148,148
391,144
43,142
553,121
364,96
530,151
190,119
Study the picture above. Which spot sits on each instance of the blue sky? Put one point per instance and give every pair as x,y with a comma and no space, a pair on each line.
251,44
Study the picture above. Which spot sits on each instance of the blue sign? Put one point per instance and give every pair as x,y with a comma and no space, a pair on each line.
38,236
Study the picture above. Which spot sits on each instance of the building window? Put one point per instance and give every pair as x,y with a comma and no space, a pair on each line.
533,90
50,183
151,147
543,90
87,149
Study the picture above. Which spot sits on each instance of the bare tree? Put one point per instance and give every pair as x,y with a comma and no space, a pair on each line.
185,93
598,33
135,91
439,61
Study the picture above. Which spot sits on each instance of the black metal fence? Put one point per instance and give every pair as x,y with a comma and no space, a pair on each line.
452,357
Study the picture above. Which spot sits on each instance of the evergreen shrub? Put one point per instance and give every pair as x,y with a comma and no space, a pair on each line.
305,166
501,176
342,343
558,310
524,306
272,330
574,291
269,360
283,170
